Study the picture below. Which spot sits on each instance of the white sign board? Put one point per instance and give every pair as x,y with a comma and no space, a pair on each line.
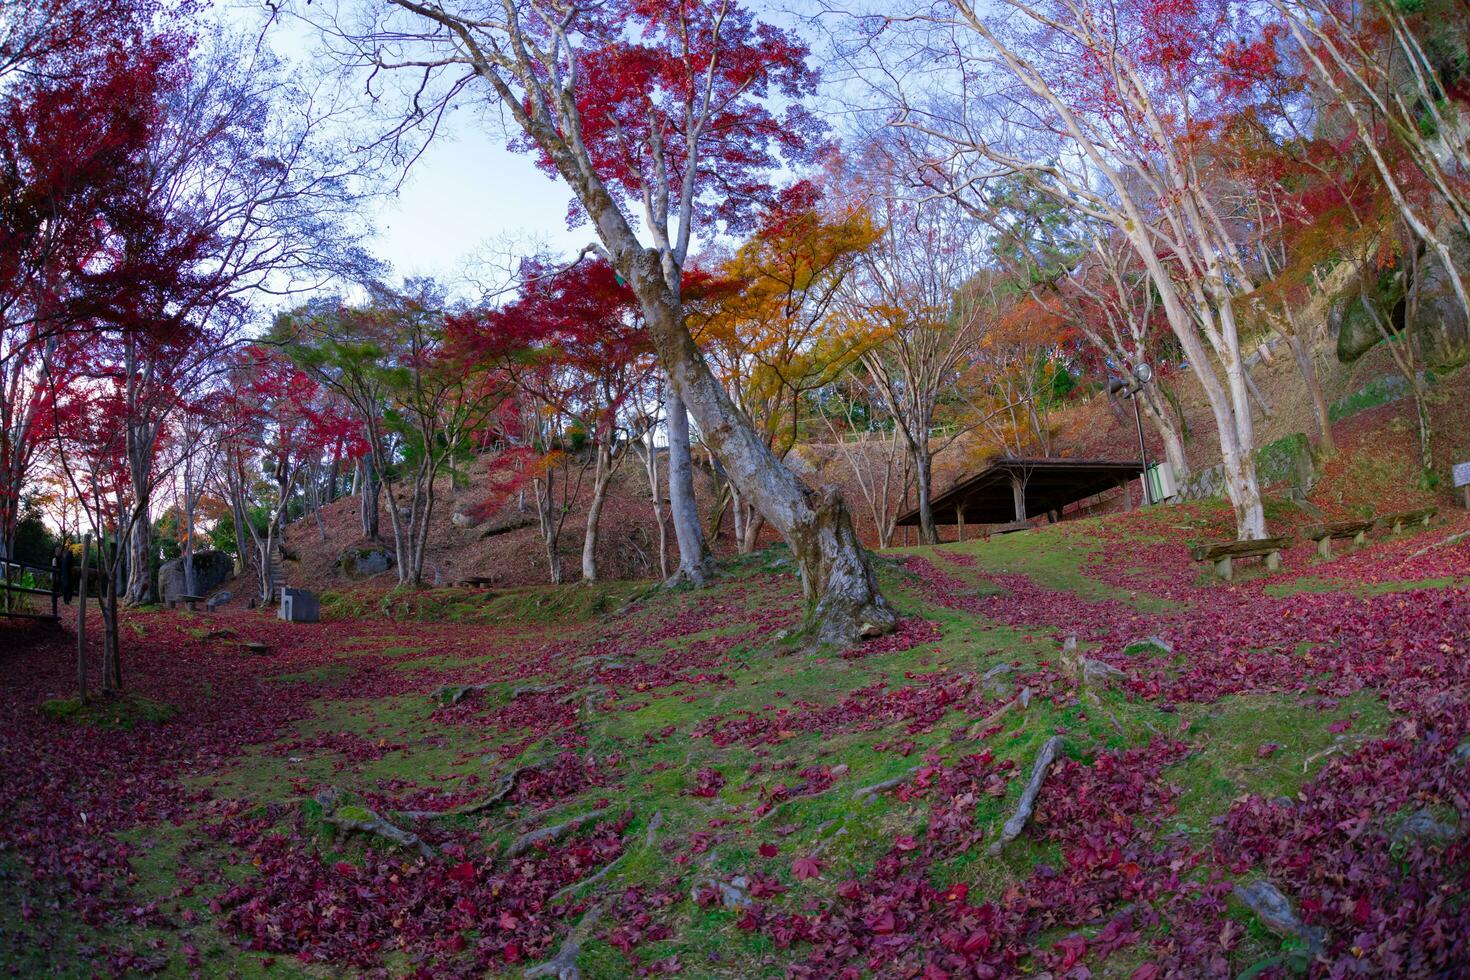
1462,474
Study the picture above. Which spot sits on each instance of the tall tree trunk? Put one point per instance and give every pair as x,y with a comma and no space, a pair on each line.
923,468
1307,368
837,581
82,620
242,529
650,462
741,518
695,562
545,504
601,479
753,524
371,490
140,562
421,514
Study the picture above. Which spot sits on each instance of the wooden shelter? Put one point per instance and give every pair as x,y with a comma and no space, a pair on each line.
1012,490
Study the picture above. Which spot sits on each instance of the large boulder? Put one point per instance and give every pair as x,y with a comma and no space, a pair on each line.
1438,321
211,570
365,561
1357,329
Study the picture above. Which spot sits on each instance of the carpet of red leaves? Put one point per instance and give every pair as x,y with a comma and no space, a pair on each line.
1121,881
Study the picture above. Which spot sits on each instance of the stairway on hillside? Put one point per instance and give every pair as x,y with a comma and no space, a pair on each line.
277,572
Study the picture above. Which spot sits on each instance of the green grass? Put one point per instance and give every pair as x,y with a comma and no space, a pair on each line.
1231,734
410,745
121,713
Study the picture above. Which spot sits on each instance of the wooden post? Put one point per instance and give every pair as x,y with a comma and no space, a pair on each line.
82,622
959,521
1018,496
1324,547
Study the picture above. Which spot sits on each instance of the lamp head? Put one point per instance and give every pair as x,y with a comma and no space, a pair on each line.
1143,373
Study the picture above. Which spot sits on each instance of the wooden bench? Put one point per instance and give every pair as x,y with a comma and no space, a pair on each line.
475,582
1324,533
1224,553
1397,521
188,600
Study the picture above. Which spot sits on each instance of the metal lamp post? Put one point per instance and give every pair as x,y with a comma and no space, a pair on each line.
1142,375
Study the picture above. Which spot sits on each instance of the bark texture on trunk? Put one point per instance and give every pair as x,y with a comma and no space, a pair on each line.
923,470
1302,354
837,580
695,562
601,480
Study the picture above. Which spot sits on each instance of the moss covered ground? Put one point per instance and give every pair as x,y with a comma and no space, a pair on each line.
719,752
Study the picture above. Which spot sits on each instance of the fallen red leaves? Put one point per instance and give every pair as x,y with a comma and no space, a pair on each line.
1362,851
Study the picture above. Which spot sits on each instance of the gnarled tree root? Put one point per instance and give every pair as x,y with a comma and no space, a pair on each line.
352,816
455,693
1027,803
867,794
525,842
649,838
563,966
506,787
1023,699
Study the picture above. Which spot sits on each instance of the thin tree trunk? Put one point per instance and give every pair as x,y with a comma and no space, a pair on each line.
753,524
923,468
601,479
1302,354
82,621
650,464
1157,412
695,562
549,525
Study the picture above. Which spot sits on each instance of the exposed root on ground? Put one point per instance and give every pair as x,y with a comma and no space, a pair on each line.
352,816
525,842
1027,803
1440,544
649,838
1023,699
455,693
506,787
868,794
563,966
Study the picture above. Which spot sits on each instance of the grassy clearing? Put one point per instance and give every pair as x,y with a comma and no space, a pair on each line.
393,744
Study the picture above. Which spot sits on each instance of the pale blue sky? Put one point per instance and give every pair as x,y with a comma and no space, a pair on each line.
466,191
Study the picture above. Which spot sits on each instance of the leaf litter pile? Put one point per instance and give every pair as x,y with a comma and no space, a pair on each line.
1057,766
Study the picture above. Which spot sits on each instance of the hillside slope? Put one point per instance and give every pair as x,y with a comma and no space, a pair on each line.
1090,428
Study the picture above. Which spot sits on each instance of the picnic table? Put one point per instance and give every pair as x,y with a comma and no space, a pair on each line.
1225,553
188,600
